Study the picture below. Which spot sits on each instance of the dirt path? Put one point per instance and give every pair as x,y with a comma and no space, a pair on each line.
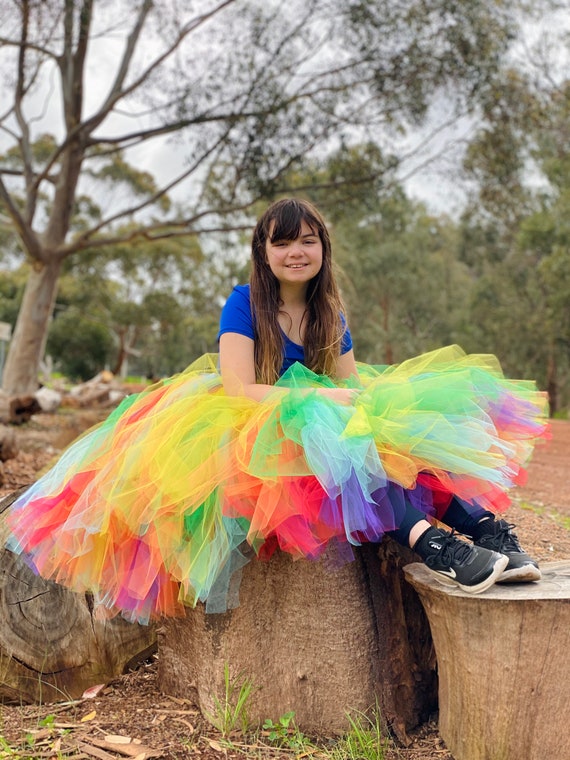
541,508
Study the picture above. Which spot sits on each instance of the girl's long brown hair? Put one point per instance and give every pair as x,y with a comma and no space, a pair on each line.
324,329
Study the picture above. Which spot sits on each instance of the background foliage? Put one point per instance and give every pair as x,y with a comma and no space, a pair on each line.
321,100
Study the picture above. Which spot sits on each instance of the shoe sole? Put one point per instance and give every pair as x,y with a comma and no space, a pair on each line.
478,588
524,574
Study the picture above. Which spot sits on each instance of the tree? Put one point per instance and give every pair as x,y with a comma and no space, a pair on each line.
158,304
242,114
516,231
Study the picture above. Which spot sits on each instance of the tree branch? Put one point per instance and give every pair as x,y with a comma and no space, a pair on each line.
146,233
12,172
117,92
24,139
83,241
30,46
24,230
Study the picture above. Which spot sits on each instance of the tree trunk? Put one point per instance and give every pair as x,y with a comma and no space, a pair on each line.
27,346
552,383
312,639
504,669
52,646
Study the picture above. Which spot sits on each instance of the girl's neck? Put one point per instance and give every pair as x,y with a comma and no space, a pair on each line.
293,298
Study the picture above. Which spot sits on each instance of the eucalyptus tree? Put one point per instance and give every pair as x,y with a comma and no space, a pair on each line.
515,233
243,89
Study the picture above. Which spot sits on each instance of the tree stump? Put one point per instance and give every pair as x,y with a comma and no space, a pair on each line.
318,641
504,665
52,645
17,409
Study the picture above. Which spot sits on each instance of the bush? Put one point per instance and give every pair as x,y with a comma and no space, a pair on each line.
80,347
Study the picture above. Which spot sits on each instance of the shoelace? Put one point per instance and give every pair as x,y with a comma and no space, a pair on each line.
503,539
453,550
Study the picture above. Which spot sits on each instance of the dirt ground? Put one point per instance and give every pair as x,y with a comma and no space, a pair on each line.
161,726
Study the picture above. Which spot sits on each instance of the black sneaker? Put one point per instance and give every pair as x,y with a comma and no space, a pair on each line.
458,563
521,568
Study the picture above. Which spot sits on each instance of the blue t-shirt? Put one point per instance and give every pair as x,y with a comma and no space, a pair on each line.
237,318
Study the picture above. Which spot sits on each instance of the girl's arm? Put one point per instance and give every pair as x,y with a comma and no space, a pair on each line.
346,366
237,366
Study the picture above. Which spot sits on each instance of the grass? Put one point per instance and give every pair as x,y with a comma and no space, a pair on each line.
366,738
230,710
42,742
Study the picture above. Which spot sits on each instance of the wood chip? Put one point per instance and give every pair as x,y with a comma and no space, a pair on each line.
100,754
178,712
118,739
133,749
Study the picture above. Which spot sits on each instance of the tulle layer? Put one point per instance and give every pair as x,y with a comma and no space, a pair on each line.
160,504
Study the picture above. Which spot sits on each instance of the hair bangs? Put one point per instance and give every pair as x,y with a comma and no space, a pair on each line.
287,222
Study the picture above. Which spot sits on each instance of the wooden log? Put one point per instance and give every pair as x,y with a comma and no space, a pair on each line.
53,646
318,641
504,665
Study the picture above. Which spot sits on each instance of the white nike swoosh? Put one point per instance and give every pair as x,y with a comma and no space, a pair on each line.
450,571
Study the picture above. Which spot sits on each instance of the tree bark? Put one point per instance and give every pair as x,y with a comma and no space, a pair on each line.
52,645
311,639
27,346
504,669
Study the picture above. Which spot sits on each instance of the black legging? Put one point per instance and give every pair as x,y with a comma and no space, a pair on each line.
459,515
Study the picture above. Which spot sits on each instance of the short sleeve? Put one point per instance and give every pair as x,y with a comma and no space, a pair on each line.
236,314
346,344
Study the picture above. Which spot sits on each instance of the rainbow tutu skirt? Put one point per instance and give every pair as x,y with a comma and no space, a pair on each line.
157,506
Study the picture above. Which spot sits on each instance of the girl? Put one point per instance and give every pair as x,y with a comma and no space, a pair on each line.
285,443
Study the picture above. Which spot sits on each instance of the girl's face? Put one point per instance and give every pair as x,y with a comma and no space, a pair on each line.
295,261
